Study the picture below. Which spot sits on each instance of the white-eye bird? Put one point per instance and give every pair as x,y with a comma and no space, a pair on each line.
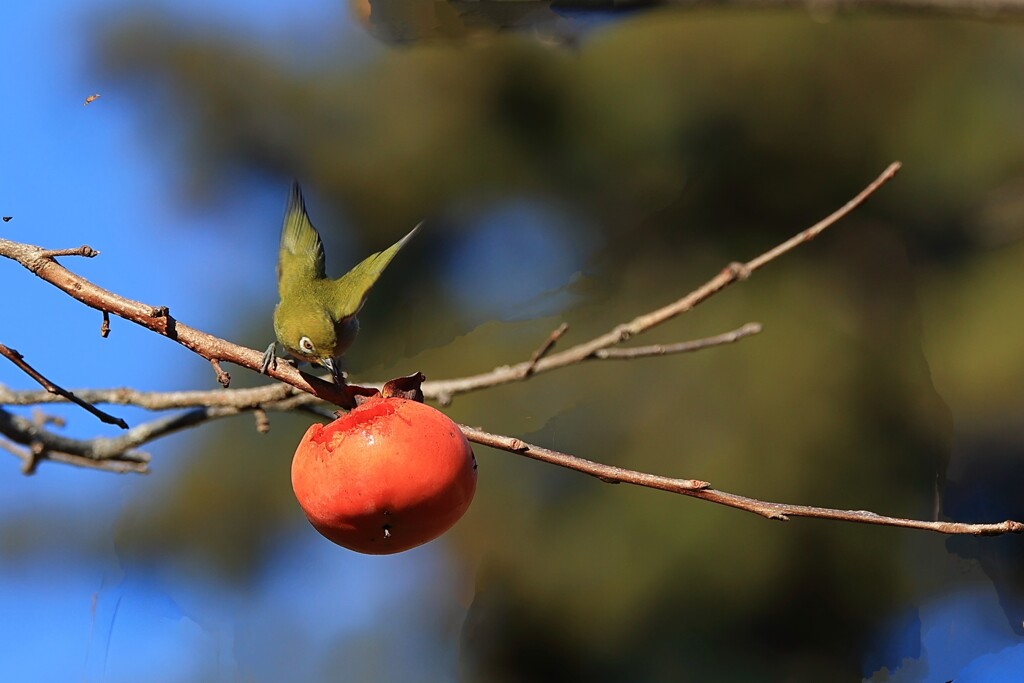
315,320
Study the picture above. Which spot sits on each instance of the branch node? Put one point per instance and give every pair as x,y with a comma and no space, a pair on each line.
543,350
84,250
223,378
36,452
159,311
41,419
737,271
1009,527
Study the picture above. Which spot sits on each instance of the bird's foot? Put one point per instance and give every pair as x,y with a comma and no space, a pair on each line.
269,358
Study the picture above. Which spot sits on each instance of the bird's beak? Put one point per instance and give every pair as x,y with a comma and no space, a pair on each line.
333,367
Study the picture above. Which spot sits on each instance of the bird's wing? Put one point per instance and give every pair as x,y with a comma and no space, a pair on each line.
301,258
352,287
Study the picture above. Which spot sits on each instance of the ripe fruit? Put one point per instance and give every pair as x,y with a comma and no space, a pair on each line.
390,475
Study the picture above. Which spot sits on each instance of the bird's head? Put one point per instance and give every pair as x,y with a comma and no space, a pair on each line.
313,335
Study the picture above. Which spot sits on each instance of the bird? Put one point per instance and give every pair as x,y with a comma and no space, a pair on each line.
315,321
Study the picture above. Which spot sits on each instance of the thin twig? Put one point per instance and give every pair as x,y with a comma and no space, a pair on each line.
702,490
105,327
23,365
980,10
819,227
84,250
587,350
223,378
606,473
262,421
680,347
120,449
544,349
269,393
164,400
43,444
23,454
983,10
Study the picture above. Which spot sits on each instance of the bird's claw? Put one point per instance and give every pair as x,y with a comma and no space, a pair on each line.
269,358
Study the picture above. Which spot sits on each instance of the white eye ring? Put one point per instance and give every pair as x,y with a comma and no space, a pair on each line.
306,345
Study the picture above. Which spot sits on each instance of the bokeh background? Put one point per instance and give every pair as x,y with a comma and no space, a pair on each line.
578,165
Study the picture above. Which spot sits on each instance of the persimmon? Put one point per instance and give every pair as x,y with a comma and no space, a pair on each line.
389,475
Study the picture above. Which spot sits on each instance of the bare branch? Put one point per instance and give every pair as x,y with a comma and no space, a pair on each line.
223,378
606,473
681,347
163,400
52,388
702,490
45,445
119,454
270,393
30,458
84,250
986,10
587,350
158,319
983,10
819,227
23,454
213,348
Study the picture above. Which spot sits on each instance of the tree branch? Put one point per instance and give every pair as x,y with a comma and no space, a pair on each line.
19,360
702,490
734,272
682,347
158,319
116,455
987,10
119,453
303,391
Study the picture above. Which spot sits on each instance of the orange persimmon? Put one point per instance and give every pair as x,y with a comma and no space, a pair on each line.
390,475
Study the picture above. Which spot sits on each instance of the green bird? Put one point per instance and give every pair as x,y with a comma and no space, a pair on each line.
315,320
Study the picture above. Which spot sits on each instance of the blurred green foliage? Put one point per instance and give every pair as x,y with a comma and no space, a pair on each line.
682,142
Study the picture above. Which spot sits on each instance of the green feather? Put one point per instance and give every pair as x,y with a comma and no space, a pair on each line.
351,289
301,258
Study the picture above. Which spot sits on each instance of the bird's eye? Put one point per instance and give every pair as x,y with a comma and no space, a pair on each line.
306,345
